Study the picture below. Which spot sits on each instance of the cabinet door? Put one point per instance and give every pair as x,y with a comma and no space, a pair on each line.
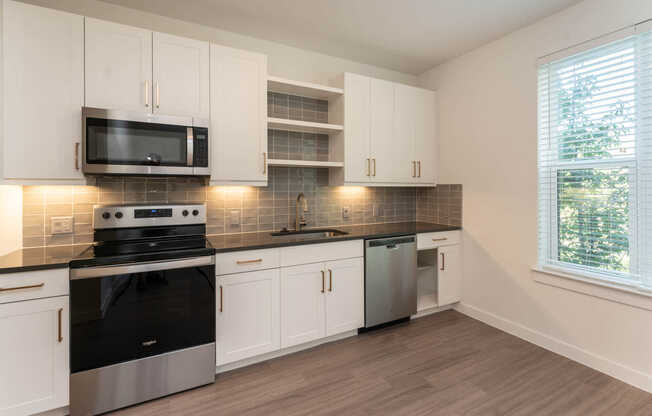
247,315
44,92
383,167
404,134
449,274
358,124
426,136
238,116
344,295
180,76
34,356
118,66
302,309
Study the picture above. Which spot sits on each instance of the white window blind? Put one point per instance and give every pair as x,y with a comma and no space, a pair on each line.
595,162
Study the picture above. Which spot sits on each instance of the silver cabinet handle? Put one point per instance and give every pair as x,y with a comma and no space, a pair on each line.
264,163
374,160
419,164
414,169
368,167
77,156
221,300
322,281
330,280
443,262
158,95
8,289
147,93
60,338
248,261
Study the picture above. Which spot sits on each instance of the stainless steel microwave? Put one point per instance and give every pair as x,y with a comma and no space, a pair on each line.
119,142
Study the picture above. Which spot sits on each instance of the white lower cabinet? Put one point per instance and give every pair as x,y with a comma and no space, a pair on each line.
321,300
344,295
449,274
303,317
248,307
34,365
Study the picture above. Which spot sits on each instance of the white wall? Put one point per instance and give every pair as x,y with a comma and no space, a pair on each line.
488,143
283,61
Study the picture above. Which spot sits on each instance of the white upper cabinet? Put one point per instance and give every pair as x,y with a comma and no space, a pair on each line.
404,158
34,356
238,116
43,93
425,136
180,78
383,166
357,108
118,66
390,135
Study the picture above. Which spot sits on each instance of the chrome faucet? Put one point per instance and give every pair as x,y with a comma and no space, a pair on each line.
301,220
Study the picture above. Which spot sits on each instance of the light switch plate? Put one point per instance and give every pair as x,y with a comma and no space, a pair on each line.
234,217
346,212
61,225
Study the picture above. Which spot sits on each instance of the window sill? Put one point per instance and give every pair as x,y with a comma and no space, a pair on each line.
614,292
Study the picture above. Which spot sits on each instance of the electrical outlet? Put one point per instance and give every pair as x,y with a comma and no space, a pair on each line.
346,212
61,225
234,217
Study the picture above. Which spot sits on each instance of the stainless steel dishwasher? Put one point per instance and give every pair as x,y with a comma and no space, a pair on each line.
390,279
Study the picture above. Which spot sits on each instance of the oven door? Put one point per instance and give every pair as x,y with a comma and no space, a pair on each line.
117,142
126,312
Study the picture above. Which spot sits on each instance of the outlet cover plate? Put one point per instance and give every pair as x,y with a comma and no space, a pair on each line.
346,212
61,225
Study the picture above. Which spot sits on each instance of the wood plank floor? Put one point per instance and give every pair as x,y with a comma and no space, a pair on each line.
444,364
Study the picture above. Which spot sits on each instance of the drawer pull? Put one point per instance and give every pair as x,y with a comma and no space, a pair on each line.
249,261
440,239
7,289
60,337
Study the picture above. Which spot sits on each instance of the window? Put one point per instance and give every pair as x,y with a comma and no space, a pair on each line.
595,162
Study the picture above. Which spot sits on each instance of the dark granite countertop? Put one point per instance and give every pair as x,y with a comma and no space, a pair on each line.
30,259
251,241
60,257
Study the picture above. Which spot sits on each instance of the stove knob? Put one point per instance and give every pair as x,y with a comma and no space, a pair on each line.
118,215
184,212
106,215
195,212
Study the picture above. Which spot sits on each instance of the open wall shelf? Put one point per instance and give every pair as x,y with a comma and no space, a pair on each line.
302,89
303,126
304,163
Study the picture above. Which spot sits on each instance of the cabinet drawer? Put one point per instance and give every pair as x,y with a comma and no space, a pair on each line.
245,261
33,285
434,240
315,253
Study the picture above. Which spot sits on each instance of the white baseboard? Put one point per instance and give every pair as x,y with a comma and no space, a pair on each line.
282,352
622,372
62,411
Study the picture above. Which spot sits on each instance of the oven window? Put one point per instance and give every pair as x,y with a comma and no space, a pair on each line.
134,143
130,316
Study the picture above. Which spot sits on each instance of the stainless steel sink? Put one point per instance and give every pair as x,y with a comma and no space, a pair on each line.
313,233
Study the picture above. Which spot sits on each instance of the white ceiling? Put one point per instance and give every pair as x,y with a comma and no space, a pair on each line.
409,36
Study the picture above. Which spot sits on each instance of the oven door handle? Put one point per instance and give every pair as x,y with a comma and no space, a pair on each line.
100,271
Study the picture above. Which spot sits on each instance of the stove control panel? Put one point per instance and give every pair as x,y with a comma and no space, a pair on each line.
124,216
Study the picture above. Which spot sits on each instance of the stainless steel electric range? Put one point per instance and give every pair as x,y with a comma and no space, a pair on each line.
142,307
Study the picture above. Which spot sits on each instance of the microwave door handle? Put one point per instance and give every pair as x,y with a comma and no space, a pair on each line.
189,145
